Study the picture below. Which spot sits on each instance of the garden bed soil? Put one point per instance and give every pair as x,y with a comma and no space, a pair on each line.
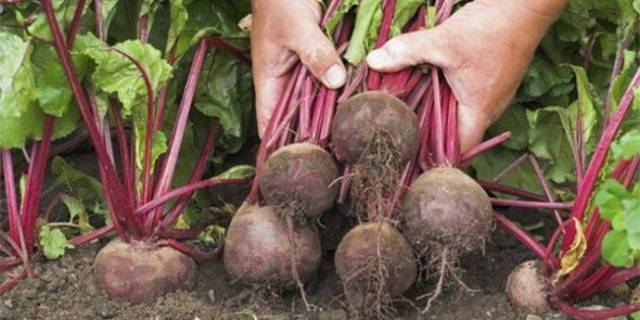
65,289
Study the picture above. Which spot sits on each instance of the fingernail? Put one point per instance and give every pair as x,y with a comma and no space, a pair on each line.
335,76
377,58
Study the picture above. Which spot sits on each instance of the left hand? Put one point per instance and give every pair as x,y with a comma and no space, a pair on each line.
484,50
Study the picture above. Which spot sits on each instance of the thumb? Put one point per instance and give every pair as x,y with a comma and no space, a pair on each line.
413,48
319,55
471,126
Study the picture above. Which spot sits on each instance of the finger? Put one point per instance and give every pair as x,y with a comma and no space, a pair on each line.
319,55
268,92
471,127
409,49
271,66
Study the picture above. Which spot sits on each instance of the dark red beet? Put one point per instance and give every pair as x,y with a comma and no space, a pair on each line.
139,273
362,116
371,246
257,248
300,177
446,206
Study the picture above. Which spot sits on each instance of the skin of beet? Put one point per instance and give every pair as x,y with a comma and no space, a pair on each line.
358,118
446,206
360,246
140,273
257,248
300,175
526,288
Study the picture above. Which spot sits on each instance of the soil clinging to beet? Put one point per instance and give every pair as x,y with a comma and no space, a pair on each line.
299,179
375,264
446,206
257,248
139,273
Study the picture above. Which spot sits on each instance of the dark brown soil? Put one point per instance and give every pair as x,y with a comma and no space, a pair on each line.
65,289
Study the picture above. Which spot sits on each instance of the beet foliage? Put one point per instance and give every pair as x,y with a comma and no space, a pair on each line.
124,90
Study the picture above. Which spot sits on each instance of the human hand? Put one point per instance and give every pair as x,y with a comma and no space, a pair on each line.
484,50
283,31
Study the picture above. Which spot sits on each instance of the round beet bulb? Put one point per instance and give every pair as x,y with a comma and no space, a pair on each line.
258,248
141,272
526,288
446,206
360,118
300,178
373,250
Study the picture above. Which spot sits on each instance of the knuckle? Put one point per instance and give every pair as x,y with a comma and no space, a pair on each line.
316,55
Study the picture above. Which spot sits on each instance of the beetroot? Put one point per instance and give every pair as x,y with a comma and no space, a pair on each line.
141,272
445,214
360,118
447,207
258,248
375,263
526,288
376,133
298,178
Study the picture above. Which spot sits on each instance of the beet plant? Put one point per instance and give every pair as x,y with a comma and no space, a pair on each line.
19,244
273,239
124,89
33,113
593,247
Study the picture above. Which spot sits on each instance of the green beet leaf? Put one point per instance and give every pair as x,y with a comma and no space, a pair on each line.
224,92
615,249
53,242
179,17
514,120
492,162
115,74
17,83
365,30
628,146
609,199
552,122
344,7
238,172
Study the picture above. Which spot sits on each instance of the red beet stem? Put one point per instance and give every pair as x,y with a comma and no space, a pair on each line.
198,172
592,314
524,237
115,195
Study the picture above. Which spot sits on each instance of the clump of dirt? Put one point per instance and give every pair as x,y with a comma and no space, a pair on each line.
65,289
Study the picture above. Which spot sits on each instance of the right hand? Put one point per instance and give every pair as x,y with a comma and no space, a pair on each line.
283,31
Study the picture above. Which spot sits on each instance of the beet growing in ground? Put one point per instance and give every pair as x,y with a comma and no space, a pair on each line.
65,289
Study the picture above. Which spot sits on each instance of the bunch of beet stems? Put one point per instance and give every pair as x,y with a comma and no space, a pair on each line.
304,111
591,276
20,244
137,214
